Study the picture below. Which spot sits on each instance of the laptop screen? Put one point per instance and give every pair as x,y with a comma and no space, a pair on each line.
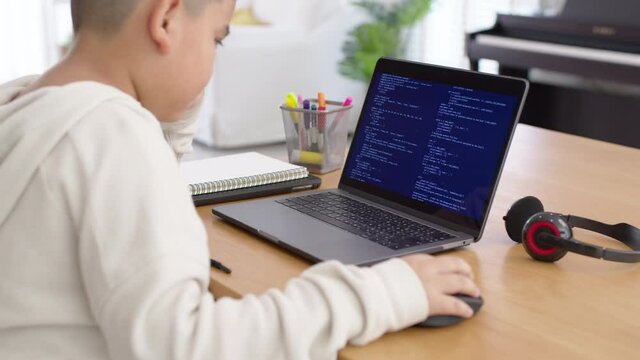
434,145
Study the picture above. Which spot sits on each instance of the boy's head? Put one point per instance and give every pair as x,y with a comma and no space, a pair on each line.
107,16
167,46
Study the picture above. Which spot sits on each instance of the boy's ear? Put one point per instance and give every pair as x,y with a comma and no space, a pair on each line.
162,23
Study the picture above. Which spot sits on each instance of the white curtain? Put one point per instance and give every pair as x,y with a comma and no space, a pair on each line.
31,32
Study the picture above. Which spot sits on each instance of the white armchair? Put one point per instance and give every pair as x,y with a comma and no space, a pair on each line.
259,65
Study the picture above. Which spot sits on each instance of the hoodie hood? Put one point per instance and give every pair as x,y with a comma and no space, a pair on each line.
33,124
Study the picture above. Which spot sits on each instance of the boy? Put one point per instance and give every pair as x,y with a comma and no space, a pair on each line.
101,252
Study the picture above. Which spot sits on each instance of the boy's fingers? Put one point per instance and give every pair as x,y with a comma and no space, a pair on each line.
461,308
459,284
450,305
450,264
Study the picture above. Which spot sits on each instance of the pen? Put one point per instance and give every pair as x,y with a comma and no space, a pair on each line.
313,140
218,265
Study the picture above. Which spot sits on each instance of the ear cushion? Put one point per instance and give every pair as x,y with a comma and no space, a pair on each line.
518,215
537,250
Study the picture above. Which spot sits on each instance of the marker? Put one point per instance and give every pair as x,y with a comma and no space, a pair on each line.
347,102
322,101
291,101
307,117
218,265
307,123
300,101
307,157
322,106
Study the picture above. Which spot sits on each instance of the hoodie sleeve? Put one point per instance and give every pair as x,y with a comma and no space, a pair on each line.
179,134
144,261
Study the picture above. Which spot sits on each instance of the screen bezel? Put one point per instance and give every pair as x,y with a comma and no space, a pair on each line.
455,77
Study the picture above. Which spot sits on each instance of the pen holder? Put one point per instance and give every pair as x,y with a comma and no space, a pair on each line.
317,139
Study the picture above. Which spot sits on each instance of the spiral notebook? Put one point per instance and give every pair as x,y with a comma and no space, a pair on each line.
244,175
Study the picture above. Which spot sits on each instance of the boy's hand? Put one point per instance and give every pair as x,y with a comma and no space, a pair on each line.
188,113
442,277
197,101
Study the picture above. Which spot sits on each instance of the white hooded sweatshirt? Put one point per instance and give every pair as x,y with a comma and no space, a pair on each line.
102,254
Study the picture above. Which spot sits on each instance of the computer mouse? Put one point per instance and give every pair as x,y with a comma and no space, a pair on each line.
446,320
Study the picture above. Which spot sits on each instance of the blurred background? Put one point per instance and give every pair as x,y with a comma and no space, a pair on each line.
35,33
301,46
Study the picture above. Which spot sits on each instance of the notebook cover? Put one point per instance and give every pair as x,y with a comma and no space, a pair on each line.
236,171
308,183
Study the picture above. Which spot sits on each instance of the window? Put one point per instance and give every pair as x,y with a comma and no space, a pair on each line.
445,27
32,34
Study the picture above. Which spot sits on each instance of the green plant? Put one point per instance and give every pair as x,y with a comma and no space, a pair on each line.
383,36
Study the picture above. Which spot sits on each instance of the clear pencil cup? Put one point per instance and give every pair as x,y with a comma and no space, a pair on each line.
317,139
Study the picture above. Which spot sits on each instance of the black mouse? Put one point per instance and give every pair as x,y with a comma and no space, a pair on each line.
446,320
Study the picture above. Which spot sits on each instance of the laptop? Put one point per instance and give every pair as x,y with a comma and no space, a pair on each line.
420,175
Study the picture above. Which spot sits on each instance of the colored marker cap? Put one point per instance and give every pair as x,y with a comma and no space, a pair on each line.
305,104
322,101
347,101
292,100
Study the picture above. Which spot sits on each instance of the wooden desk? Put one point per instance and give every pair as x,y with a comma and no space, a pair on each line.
577,308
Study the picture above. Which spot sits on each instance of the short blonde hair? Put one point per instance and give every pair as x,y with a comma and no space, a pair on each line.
107,16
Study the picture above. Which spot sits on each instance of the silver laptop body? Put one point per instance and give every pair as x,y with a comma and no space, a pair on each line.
445,135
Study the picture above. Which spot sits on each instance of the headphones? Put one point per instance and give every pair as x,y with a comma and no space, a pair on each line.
547,236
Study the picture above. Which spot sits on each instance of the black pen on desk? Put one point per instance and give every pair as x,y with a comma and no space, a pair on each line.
218,265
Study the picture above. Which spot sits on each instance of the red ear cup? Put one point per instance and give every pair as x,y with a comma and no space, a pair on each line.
545,223
539,251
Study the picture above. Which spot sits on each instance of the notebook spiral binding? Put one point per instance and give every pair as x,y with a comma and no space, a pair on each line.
247,181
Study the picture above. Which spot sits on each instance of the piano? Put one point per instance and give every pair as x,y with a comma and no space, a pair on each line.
583,64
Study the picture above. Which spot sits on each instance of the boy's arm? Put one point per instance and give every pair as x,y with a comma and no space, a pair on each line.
144,261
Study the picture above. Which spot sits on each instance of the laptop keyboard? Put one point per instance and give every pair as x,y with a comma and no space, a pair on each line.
370,222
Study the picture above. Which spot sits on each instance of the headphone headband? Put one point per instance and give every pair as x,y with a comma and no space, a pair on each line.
594,251
622,232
